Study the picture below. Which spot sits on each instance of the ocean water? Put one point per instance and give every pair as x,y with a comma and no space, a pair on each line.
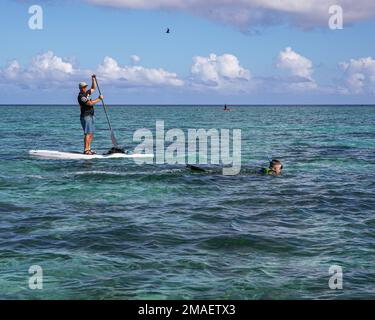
112,229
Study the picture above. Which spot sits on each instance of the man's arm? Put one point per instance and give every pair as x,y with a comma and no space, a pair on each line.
94,102
93,83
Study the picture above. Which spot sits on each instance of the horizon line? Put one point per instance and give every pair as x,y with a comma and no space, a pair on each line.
208,105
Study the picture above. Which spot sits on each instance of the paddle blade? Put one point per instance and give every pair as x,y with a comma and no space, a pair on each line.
113,138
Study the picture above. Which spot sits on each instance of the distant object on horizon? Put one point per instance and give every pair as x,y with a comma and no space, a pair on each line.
226,108
168,30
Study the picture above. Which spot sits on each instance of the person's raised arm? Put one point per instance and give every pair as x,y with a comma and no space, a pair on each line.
93,83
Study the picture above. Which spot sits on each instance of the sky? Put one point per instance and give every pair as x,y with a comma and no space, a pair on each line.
217,52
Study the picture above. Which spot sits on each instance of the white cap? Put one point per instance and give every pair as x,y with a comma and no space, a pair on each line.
82,85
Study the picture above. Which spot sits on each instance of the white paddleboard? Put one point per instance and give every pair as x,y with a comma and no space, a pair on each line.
47,154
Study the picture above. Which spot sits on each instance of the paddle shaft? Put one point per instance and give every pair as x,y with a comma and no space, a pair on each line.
114,141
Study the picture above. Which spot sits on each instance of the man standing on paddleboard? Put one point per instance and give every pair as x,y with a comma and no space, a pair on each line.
87,113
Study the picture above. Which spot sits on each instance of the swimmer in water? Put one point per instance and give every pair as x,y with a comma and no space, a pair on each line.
275,168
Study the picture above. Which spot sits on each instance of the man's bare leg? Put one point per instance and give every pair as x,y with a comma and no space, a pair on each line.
86,142
90,136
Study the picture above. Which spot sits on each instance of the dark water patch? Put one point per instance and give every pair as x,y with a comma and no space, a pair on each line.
103,176
162,177
361,134
251,243
209,218
11,208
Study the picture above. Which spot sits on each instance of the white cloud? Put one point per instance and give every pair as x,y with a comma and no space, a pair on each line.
137,75
48,62
11,71
295,63
245,13
48,70
135,59
45,69
359,76
220,72
299,67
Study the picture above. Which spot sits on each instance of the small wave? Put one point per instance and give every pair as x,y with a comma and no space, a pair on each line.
128,173
35,176
98,172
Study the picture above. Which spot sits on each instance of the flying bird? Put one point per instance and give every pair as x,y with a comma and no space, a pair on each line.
168,31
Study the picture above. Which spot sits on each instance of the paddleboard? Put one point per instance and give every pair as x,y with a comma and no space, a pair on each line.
47,154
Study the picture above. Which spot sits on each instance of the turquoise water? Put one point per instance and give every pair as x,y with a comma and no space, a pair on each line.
112,229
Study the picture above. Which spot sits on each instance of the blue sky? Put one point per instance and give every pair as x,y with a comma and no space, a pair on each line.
214,54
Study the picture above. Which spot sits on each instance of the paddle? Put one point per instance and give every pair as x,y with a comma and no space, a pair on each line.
113,138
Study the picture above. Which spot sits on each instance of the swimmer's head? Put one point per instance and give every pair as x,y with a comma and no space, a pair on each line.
276,166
